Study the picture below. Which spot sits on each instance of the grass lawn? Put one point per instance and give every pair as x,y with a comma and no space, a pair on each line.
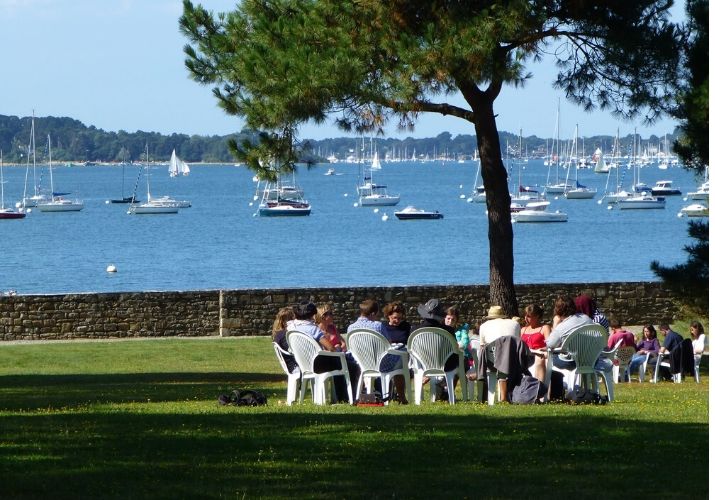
136,419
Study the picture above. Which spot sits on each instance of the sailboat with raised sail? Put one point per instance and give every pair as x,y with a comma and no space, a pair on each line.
6,212
579,192
374,195
163,205
556,187
57,203
177,166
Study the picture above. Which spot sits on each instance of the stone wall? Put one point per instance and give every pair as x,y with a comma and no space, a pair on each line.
251,312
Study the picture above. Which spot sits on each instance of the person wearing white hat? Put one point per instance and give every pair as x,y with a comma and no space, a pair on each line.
497,324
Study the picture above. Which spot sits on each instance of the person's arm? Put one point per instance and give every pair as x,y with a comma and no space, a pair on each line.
553,340
546,331
325,344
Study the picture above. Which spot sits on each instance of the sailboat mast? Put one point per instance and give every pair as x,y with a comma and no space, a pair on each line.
52,184
2,185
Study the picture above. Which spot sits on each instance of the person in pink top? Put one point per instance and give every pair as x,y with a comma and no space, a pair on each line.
618,333
324,319
534,334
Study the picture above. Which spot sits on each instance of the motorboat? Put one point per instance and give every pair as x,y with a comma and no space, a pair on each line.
643,201
412,213
702,193
664,188
284,207
9,213
331,171
539,215
695,210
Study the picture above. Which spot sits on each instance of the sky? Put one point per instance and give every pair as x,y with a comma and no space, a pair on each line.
119,65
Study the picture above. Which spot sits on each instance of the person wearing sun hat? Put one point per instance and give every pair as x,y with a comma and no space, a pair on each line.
432,315
497,324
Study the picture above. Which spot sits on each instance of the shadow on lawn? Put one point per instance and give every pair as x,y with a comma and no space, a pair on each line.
26,392
258,452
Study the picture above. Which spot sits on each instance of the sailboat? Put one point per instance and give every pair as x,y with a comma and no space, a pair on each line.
163,205
579,192
479,195
374,195
57,203
376,165
556,187
127,199
177,166
36,196
6,213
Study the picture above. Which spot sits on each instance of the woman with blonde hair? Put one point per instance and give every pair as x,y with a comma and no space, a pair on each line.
324,320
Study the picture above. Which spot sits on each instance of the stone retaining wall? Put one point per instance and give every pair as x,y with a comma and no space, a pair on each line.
251,312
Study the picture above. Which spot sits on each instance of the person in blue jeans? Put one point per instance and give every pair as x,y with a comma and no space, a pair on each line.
647,345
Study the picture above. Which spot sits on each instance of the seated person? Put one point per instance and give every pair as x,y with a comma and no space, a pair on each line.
461,334
432,315
325,321
585,304
395,328
671,340
618,333
283,316
647,345
304,323
534,334
700,341
566,320
497,324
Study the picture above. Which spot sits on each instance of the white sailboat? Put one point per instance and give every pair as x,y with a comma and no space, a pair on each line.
177,166
374,195
577,192
479,195
556,187
57,203
37,195
376,165
6,212
162,205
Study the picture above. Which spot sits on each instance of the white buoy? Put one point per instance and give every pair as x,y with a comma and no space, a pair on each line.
600,202
255,197
111,268
250,203
375,210
460,186
345,195
384,216
355,204
680,214
556,197
470,200
462,196
610,207
106,202
685,198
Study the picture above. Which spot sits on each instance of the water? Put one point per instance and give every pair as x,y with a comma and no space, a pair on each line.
219,243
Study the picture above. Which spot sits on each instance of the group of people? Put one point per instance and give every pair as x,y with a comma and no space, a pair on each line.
568,315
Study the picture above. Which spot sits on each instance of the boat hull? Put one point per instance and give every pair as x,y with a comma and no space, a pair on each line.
539,216
699,195
60,207
286,211
128,199
580,194
379,201
148,209
10,214
641,204
426,215
696,210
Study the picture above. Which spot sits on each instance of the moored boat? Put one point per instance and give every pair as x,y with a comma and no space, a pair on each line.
695,210
664,188
643,201
412,213
539,215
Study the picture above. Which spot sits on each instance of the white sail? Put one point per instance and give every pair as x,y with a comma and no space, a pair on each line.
376,165
177,166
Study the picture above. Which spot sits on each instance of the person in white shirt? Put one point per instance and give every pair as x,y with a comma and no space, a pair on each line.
497,324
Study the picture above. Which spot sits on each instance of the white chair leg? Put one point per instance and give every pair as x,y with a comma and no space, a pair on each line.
303,383
418,387
385,382
408,385
292,387
491,388
450,388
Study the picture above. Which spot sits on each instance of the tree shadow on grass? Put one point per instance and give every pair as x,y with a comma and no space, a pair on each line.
340,453
26,392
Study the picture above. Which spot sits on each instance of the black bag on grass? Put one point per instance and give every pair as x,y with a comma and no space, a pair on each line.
246,397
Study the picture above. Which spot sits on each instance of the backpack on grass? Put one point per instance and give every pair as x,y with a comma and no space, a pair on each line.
247,397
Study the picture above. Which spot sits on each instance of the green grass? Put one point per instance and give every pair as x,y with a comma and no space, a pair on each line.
135,419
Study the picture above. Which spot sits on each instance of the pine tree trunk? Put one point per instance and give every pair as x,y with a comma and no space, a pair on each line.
501,236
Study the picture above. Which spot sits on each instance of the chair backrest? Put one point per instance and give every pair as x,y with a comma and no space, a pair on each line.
281,354
431,346
304,348
367,347
625,354
585,345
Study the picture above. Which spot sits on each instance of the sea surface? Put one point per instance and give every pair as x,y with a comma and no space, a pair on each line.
220,243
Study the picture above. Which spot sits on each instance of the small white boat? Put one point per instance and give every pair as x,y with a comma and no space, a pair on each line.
331,171
664,188
539,215
6,212
695,210
643,201
618,196
177,166
702,193
412,213
579,193
557,188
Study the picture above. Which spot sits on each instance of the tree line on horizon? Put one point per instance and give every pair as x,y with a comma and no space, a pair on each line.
74,141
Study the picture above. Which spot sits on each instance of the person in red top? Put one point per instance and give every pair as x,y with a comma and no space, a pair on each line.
618,333
534,334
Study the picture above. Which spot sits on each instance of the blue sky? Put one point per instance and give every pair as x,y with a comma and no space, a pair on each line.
119,65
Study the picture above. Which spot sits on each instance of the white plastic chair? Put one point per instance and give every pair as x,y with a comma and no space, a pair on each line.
608,378
584,345
369,348
306,349
293,377
664,360
429,349
623,355
697,360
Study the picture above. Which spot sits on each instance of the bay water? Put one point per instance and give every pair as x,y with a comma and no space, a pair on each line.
220,242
